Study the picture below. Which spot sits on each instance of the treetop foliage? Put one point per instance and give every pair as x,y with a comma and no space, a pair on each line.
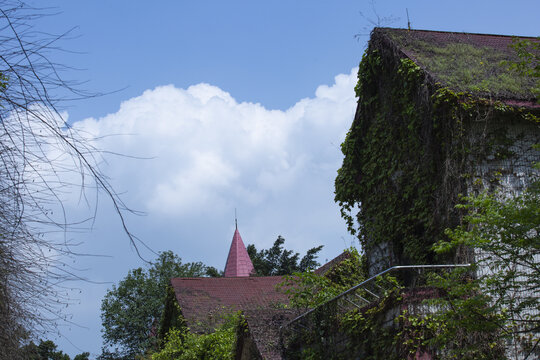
277,261
47,350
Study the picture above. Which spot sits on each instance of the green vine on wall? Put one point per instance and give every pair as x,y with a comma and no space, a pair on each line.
410,153
365,332
387,169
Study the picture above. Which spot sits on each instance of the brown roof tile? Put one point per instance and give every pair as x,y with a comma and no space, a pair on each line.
264,329
204,300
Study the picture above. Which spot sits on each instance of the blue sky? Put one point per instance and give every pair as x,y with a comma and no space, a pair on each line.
239,104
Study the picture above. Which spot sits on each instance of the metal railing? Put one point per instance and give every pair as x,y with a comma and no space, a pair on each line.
363,294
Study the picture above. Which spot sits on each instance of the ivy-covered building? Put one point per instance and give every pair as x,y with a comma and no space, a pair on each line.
439,115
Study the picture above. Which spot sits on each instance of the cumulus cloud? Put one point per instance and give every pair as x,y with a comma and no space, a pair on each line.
196,154
204,150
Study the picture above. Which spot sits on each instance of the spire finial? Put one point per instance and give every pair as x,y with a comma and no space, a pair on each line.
235,219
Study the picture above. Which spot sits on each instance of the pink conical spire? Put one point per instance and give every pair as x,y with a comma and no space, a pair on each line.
238,261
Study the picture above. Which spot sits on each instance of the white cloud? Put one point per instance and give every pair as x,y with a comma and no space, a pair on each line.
205,155
208,151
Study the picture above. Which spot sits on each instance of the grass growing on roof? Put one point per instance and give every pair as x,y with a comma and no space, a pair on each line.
465,67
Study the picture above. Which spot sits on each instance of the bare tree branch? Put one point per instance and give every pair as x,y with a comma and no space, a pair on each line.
41,159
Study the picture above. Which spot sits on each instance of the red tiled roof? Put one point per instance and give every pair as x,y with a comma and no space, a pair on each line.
203,300
238,261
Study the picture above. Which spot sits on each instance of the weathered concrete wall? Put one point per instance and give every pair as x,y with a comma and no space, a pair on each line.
502,156
502,162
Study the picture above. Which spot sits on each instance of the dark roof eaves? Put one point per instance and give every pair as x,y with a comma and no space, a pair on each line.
534,38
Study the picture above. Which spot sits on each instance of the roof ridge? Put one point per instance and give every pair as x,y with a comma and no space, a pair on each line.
461,33
239,278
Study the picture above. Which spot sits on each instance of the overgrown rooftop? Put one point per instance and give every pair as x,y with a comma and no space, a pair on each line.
473,63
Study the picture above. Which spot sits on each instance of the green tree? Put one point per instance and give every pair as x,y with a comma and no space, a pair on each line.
213,272
46,350
505,236
307,289
279,261
181,344
82,356
131,309
502,299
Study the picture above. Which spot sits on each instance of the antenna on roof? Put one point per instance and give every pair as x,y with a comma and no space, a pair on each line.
235,219
408,22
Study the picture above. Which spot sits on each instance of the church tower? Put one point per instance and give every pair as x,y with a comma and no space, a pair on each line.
238,262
